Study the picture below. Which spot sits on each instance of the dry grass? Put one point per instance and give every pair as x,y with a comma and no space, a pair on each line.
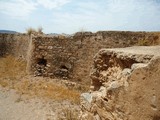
11,68
40,30
154,40
142,42
68,114
48,89
31,30
13,75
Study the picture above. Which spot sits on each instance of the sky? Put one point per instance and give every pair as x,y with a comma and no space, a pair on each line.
70,16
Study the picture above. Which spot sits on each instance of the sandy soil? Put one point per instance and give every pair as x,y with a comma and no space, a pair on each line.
18,107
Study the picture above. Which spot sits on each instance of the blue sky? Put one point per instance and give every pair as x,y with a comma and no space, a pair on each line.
69,16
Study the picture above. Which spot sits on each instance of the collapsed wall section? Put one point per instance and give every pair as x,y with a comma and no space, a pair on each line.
125,85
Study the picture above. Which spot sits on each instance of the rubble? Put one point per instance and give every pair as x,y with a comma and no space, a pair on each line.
125,85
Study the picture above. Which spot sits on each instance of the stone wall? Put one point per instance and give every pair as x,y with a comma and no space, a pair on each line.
125,85
14,44
68,57
53,56
71,57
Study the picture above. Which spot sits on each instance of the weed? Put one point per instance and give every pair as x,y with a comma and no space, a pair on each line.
40,30
30,31
68,114
142,42
13,75
12,68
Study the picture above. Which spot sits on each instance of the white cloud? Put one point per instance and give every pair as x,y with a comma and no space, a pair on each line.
21,9
17,8
130,15
50,4
92,15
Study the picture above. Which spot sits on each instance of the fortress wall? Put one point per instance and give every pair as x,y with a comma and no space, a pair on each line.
14,44
71,57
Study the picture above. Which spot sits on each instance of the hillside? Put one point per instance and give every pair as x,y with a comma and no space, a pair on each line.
8,31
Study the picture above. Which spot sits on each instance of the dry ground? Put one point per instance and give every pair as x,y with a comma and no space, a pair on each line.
14,106
25,97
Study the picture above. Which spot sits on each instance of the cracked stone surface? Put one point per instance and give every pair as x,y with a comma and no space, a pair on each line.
125,85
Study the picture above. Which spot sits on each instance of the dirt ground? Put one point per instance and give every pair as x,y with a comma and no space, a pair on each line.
14,106
24,97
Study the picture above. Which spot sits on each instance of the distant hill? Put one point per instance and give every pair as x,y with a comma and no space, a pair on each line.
8,31
56,34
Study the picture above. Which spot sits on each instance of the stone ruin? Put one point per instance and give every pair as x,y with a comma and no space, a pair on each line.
70,57
125,81
125,85
51,56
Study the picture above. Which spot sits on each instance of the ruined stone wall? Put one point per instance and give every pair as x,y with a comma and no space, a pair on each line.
53,56
71,57
14,44
125,85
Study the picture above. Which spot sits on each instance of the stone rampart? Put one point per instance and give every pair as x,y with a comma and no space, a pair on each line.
71,57
14,44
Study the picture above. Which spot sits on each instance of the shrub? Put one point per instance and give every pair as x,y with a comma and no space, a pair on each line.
30,31
40,30
142,42
33,31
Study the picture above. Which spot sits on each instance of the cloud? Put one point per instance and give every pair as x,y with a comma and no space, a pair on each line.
91,15
21,9
50,4
133,15
17,8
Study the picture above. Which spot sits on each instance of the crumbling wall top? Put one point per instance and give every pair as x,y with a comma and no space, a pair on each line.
125,84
